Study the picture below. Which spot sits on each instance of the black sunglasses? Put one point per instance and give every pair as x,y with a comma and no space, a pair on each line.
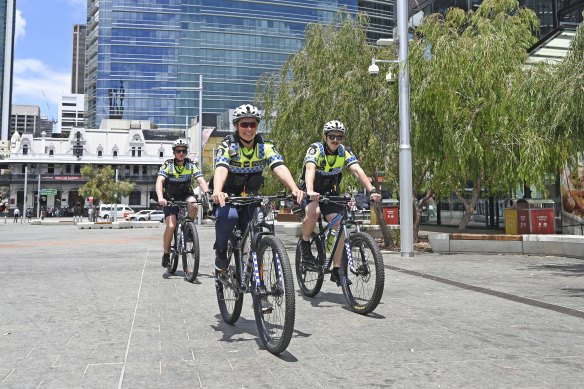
251,125
336,137
181,151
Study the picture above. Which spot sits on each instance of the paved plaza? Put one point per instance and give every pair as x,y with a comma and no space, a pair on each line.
94,309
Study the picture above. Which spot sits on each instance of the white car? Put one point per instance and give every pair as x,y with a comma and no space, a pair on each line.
156,216
140,215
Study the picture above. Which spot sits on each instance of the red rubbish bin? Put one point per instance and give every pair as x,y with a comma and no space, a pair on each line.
391,214
535,216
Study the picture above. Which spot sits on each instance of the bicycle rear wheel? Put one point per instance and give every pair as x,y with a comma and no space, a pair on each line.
363,285
191,255
274,302
229,299
309,276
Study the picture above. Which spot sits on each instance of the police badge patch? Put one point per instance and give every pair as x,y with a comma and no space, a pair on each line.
220,152
312,151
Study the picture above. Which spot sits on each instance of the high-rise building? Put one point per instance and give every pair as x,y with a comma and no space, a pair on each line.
70,113
26,119
7,25
143,61
78,61
382,17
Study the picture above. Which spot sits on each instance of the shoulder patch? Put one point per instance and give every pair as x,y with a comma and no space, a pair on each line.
220,152
312,151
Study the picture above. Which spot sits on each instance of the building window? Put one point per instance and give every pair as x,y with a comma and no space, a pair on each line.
25,150
144,170
51,168
139,151
115,153
135,198
51,152
67,168
136,170
161,154
133,151
77,169
99,153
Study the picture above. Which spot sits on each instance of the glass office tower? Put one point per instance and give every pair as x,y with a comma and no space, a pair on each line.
144,57
7,18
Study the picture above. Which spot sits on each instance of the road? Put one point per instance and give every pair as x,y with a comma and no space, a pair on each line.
94,309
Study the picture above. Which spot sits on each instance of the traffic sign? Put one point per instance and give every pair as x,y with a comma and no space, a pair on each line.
48,192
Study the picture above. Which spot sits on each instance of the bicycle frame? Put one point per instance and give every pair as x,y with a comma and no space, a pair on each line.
346,219
257,228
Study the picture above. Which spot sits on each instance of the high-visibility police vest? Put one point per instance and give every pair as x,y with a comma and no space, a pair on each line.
243,164
328,174
178,179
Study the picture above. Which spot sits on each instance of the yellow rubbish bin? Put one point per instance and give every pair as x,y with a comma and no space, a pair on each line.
511,221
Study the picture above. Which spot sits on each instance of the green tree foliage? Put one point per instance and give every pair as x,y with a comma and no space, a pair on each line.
328,79
101,185
465,74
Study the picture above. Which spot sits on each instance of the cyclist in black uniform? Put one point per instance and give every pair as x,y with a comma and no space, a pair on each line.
175,182
322,170
239,162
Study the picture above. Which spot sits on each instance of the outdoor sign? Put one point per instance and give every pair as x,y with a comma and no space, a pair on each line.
572,190
48,192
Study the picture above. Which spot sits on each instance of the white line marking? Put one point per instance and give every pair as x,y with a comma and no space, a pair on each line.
71,338
39,385
199,377
29,353
133,321
5,378
54,363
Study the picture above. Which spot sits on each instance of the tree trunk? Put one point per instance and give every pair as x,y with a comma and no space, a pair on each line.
418,208
470,205
388,242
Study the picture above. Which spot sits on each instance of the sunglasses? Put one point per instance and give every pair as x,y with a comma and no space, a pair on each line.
181,151
335,137
251,125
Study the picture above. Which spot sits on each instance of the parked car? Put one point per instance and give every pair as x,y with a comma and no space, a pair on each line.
140,215
106,211
156,216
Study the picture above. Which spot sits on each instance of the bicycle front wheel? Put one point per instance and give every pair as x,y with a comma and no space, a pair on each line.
364,274
173,262
308,275
192,254
274,302
229,299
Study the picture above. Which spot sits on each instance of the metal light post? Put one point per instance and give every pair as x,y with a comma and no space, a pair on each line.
406,204
406,192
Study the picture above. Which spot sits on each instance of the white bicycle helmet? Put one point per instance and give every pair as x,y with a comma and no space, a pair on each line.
246,111
180,142
334,125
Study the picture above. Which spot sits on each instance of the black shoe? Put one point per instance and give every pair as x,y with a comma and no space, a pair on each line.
306,252
165,260
221,261
336,276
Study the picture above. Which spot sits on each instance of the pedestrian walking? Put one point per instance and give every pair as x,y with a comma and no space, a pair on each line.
16,214
28,215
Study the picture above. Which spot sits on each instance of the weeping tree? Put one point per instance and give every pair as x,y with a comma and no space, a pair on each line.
102,186
328,79
466,69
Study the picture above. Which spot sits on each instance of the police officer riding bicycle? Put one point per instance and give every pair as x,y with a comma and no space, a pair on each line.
322,172
175,183
239,161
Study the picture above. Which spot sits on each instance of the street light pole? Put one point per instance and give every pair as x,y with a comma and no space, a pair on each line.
406,203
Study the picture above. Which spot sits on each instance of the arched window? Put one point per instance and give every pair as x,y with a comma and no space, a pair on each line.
25,150
115,153
99,153
51,152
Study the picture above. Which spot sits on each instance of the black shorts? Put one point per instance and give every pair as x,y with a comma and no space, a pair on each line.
328,208
170,210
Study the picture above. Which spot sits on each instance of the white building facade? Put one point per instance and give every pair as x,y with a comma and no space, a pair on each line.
70,113
54,165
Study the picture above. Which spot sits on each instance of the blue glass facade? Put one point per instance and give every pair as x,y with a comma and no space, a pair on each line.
144,57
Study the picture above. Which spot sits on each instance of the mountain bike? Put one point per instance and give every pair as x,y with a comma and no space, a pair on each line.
362,274
259,265
185,243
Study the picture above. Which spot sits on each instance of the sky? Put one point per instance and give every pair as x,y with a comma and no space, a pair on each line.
43,49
